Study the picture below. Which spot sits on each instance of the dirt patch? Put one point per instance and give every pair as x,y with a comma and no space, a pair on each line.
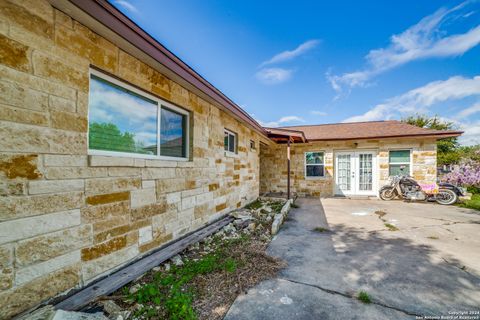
204,280
253,266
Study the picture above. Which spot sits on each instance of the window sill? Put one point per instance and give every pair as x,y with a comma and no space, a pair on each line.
231,154
107,159
316,178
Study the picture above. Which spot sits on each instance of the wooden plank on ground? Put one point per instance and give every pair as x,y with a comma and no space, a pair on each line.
123,276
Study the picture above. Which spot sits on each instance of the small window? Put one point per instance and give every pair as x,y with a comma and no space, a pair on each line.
252,145
399,162
125,121
230,141
314,164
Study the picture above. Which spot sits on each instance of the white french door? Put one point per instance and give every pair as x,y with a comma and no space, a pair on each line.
356,173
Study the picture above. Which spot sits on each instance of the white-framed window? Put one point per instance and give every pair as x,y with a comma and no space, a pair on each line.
314,164
125,121
230,141
253,147
399,162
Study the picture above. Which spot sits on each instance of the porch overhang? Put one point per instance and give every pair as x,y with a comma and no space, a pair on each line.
284,136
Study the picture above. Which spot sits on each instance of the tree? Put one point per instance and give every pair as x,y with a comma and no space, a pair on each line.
107,136
447,148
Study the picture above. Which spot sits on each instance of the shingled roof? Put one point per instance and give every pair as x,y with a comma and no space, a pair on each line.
365,130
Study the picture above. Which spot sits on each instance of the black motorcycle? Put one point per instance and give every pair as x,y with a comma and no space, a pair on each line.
407,188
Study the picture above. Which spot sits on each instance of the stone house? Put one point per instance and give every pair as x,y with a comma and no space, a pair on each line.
111,147
349,159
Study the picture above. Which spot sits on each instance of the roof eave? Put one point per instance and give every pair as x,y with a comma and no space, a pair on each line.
287,134
428,135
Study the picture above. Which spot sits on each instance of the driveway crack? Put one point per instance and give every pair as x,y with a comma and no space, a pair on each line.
463,268
346,295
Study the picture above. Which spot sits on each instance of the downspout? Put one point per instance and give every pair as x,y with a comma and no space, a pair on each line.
288,168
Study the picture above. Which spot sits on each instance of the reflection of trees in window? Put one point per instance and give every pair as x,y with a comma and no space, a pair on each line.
107,136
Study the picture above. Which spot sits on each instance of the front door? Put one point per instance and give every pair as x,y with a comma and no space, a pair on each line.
355,173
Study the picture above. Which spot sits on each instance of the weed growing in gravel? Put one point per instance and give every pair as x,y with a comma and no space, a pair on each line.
391,227
321,229
433,237
364,297
277,206
254,205
170,291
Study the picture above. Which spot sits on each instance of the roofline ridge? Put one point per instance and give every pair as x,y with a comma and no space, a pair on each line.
336,123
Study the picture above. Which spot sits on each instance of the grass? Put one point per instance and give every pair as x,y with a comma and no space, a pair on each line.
364,297
321,229
391,227
277,206
473,203
170,293
205,285
433,237
254,205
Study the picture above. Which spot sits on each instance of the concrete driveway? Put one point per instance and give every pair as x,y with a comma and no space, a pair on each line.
429,266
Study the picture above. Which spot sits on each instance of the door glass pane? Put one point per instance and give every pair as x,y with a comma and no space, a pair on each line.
399,156
172,133
121,120
365,172
344,172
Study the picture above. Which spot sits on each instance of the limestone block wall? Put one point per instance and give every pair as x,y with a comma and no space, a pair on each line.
67,218
273,165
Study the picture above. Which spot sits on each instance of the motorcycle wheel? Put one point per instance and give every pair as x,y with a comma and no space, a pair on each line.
387,193
446,197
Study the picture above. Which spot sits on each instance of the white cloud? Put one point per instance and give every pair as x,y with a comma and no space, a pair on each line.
318,113
423,40
426,99
379,112
127,5
471,135
422,98
291,54
281,121
273,75
468,111
290,119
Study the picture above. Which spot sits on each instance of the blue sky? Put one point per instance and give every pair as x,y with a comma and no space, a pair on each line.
312,62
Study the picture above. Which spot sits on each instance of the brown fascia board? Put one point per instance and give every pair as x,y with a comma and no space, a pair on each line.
287,130
427,135
109,16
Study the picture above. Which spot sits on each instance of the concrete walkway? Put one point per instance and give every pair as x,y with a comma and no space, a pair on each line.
417,270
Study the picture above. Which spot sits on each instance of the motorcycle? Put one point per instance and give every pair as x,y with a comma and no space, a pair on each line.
407,188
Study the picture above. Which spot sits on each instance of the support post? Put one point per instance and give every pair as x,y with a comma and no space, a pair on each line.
288,169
